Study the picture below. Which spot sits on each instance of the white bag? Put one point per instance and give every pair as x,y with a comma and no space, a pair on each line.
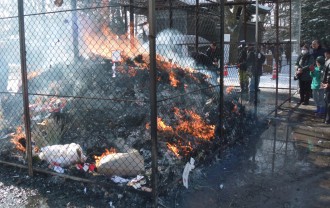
63,155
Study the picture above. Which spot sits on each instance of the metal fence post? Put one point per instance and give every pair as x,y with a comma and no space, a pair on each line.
256,60
197,25
277,52
25,86
290,57
153,99
75,32
222,32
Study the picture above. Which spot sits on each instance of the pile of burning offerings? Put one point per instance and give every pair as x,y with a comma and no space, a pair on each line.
106,111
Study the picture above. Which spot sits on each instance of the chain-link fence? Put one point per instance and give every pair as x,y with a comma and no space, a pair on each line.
76,85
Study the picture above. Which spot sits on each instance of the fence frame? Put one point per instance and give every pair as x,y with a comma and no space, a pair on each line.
153,80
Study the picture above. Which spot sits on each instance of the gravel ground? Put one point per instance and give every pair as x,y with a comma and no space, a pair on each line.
17,189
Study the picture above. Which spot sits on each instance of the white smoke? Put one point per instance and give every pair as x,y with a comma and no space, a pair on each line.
174,45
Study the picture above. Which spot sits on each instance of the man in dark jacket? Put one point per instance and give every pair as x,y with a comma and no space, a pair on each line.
326,85
213,52
255,60
317,49
304,61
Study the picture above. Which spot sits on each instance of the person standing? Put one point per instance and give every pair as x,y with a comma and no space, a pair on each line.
304,61
287,52
317,90
252,70
326,85
260,61
242,65
317,49
214,53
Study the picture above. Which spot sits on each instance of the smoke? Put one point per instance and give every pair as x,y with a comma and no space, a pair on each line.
175,46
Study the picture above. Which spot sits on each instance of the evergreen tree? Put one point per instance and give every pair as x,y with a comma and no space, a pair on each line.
315,21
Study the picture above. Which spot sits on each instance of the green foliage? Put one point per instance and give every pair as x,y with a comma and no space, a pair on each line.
315,21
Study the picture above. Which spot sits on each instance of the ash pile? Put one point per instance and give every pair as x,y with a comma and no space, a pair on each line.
91,120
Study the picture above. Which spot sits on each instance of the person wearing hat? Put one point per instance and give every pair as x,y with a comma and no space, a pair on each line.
317,90
326,85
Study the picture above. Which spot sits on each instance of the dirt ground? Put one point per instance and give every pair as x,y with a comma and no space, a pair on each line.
286,163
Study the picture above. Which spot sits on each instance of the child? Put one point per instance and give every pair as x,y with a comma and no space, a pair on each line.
318,91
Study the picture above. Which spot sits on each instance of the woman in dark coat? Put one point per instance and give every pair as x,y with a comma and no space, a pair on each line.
304,61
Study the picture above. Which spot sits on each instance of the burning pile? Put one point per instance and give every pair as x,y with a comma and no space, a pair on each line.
113,111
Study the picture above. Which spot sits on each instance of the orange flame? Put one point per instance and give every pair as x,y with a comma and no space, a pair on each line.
195,125
147,125
182,148
174,149
19,135
189,123
105,42
161,126
173,80
186,148
107,152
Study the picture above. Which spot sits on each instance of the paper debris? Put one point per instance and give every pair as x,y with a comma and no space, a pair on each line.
58,169
189,166
137,182
147,189
110,204
118,179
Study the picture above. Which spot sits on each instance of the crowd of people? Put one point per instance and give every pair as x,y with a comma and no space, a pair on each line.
313,74
312,71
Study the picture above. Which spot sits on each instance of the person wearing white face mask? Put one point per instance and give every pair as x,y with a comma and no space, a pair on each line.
304,61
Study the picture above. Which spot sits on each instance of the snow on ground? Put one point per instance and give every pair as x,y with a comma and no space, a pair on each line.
266,80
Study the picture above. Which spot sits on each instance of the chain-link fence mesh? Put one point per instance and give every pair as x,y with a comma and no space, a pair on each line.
87,65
